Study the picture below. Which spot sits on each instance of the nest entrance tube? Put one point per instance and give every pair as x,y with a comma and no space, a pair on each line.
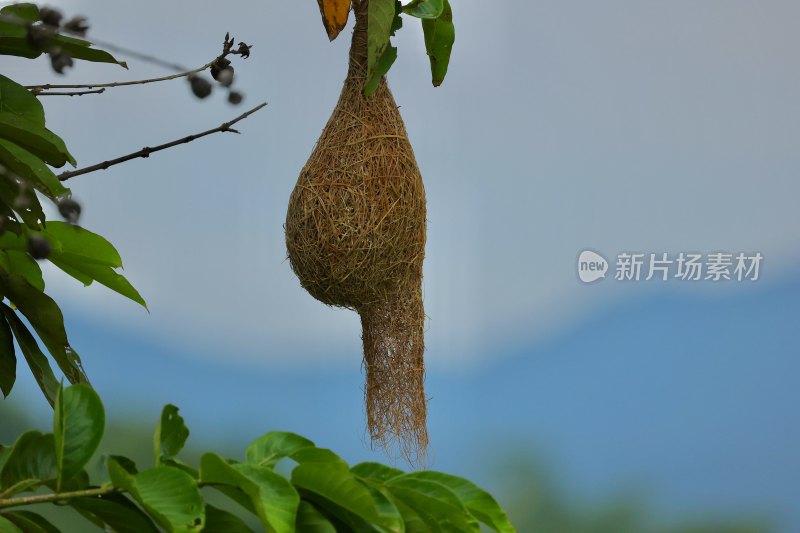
393,358
355,237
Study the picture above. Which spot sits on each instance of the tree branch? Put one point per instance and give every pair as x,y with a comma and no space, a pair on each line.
70,93
37,89
146,151
56,496
227,49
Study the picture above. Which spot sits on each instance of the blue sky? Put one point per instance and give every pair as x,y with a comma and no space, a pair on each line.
617,126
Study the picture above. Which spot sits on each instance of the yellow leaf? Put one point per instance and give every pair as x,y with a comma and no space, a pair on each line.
334,15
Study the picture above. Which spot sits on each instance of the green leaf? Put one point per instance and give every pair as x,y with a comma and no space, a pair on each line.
80,253
30,462
324,473
4,451
79,481
385,505
79,245
78,427
22,264
31,522
117,511
384,64
87,257
46,318
14,98
31,169
8,219
7,526
376,471
238,496
12,241
12,33
23,10
271,495
440,34
104,275
13,38
19,197
35,138
413,522
309,520
220,521
37,361
424,9
381,24
271,447
434,503
174,463
121,471
81,49
170,496
73,272
8,359
171,434
479,502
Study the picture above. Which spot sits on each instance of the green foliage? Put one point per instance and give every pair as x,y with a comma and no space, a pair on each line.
424,9
14,23
37,361
27,151
384,20
171,434
322,493
78,426
440,34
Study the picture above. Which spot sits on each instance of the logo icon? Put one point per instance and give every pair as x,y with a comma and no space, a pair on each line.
591,266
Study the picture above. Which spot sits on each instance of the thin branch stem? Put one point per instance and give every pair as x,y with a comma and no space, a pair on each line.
25,483
70,93
37,89
227,49
56,496
146,151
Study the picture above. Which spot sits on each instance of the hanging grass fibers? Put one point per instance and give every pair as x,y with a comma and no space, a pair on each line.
355,235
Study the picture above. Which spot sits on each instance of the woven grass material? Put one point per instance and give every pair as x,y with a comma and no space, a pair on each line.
355,235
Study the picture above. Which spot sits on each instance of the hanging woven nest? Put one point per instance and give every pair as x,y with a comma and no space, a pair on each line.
355,235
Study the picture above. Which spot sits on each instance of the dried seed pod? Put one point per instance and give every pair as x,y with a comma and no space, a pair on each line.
200,86
355,235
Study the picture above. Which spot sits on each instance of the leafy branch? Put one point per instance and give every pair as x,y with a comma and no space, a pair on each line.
29,317
322,493
146,151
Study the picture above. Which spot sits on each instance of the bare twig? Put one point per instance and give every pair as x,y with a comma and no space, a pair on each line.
37,89
146,151
227,49
70,93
